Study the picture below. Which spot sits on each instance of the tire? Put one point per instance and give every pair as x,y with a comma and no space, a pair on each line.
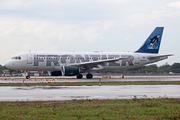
89,76
79,76
27,77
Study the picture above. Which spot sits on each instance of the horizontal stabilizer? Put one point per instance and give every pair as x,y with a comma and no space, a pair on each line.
159,56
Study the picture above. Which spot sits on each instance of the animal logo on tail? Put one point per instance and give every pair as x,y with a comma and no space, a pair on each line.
153,41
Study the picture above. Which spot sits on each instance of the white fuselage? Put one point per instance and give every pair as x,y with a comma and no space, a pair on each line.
42,61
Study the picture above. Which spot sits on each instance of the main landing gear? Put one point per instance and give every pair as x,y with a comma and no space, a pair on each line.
79,76
88,76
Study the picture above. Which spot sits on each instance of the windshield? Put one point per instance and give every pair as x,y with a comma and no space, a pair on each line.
17,57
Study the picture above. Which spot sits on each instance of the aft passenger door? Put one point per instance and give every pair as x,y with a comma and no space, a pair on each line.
137,59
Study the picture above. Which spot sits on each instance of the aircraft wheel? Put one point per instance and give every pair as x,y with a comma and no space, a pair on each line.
79,76
27,77
89,76
27,74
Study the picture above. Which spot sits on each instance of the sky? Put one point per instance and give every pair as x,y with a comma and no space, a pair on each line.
87,26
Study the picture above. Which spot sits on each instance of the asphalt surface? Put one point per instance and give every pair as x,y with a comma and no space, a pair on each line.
44,93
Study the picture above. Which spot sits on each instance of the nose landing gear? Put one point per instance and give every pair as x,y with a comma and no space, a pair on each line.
27,75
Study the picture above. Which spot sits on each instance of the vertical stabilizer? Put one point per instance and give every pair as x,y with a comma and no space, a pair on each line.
152,43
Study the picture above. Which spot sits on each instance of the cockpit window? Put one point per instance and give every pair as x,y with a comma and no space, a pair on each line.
17,58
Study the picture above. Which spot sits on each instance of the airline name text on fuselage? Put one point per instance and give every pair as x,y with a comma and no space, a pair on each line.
70,59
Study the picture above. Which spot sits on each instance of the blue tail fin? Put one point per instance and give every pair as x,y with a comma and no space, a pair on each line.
152,44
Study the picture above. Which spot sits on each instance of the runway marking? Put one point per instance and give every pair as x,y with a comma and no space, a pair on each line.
72,80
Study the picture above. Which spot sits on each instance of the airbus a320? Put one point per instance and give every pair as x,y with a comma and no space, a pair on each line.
76,63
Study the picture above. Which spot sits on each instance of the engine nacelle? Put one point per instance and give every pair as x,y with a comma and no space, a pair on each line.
70,70
56,73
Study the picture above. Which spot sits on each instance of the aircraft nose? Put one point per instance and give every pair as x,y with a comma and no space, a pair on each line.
7,64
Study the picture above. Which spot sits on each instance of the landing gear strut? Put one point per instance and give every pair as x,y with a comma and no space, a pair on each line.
89,76
79,76
27,75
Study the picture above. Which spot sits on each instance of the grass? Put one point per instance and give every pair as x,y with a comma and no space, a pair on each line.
95,83
164,108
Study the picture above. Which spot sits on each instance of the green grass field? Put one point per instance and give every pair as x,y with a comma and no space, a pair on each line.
96,83
92,109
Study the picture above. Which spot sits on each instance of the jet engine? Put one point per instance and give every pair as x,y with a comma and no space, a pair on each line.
70,70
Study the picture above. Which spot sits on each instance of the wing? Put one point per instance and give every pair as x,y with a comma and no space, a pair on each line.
97,64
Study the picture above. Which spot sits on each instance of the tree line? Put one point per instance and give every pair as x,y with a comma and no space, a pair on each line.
154,69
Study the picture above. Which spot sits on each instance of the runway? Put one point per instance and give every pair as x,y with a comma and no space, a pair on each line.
46,93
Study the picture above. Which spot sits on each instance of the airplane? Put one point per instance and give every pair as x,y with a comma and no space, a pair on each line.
76,63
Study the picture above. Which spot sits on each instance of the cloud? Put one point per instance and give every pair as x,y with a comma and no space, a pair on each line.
128,37
14,5
39,33
68,25
144,18
175,4
25,48
7,32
